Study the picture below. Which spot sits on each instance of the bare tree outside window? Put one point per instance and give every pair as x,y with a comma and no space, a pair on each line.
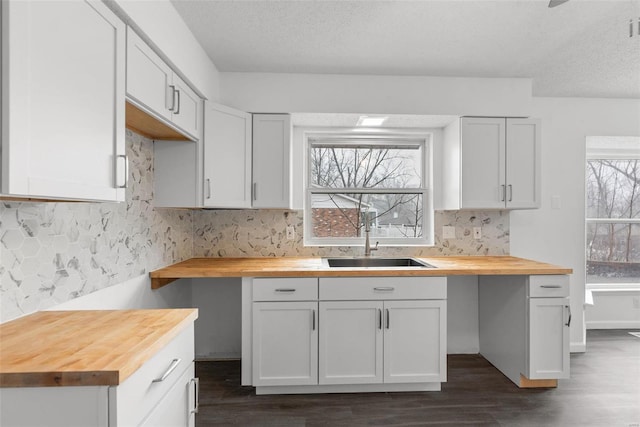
350,181
613,220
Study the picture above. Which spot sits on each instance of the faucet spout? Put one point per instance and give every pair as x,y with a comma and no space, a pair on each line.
367,245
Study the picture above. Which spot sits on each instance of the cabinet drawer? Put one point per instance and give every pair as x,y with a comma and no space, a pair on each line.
549,286
285,289
382,288
139,394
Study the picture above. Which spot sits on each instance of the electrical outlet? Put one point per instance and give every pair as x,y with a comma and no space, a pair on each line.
291,232
448,232
477,233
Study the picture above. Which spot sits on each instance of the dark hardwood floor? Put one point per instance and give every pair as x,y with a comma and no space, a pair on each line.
604,390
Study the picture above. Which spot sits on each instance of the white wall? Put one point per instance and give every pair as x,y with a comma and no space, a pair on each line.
131,294
463,335
558,235
163,28
218,328
325,93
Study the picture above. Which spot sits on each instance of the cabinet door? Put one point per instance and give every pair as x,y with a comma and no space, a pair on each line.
350,342
285,343
177,408
523,163
271,160
227,157
415,347
186,108
63,101
148,78
548,341
482,163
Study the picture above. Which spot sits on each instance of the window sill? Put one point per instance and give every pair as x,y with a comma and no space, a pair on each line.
613,287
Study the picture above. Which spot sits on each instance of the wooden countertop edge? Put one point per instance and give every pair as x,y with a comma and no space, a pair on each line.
186,269
102,377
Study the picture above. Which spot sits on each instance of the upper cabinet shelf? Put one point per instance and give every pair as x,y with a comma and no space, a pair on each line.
63,101
162,106
492,163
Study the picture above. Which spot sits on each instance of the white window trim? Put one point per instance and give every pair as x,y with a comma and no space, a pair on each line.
424,138
615,148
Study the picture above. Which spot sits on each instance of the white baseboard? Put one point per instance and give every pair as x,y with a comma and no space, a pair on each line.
613,324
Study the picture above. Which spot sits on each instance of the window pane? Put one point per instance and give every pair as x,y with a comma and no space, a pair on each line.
613,189
344,215
613,253
366,167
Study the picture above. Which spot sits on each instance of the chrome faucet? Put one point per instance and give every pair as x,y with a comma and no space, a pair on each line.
367,246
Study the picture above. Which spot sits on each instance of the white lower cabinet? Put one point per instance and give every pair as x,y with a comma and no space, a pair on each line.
162,392
415,348
369,342
285,343
548,341
368,334
350,342
524,327
179,406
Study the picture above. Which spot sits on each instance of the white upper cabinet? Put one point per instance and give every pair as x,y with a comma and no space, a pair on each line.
482,158
227,157
523,158
148,78
154,88
63,83
186,107
272,161
492,163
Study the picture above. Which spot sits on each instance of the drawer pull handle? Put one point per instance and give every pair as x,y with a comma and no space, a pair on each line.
171,368
196,397
551,286
285,290
384,289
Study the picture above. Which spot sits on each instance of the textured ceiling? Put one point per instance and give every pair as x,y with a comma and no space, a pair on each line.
581,48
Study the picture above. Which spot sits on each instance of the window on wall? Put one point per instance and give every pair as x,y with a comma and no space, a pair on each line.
380,179
613,212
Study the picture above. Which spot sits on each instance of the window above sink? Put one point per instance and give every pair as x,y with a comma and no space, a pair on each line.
383,178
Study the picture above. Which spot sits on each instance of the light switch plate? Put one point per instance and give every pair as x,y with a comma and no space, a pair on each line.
448,232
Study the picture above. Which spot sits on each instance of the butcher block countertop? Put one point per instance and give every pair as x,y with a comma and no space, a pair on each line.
313,267
84,348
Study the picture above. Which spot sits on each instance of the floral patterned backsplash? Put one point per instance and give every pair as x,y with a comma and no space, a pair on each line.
53,252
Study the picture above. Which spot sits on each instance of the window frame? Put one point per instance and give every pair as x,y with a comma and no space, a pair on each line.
372,137
620,148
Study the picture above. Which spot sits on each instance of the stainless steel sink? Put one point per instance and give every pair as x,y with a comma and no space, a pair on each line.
374,262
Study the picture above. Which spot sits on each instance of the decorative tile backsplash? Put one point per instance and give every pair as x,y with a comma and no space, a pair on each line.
228,233
53,252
